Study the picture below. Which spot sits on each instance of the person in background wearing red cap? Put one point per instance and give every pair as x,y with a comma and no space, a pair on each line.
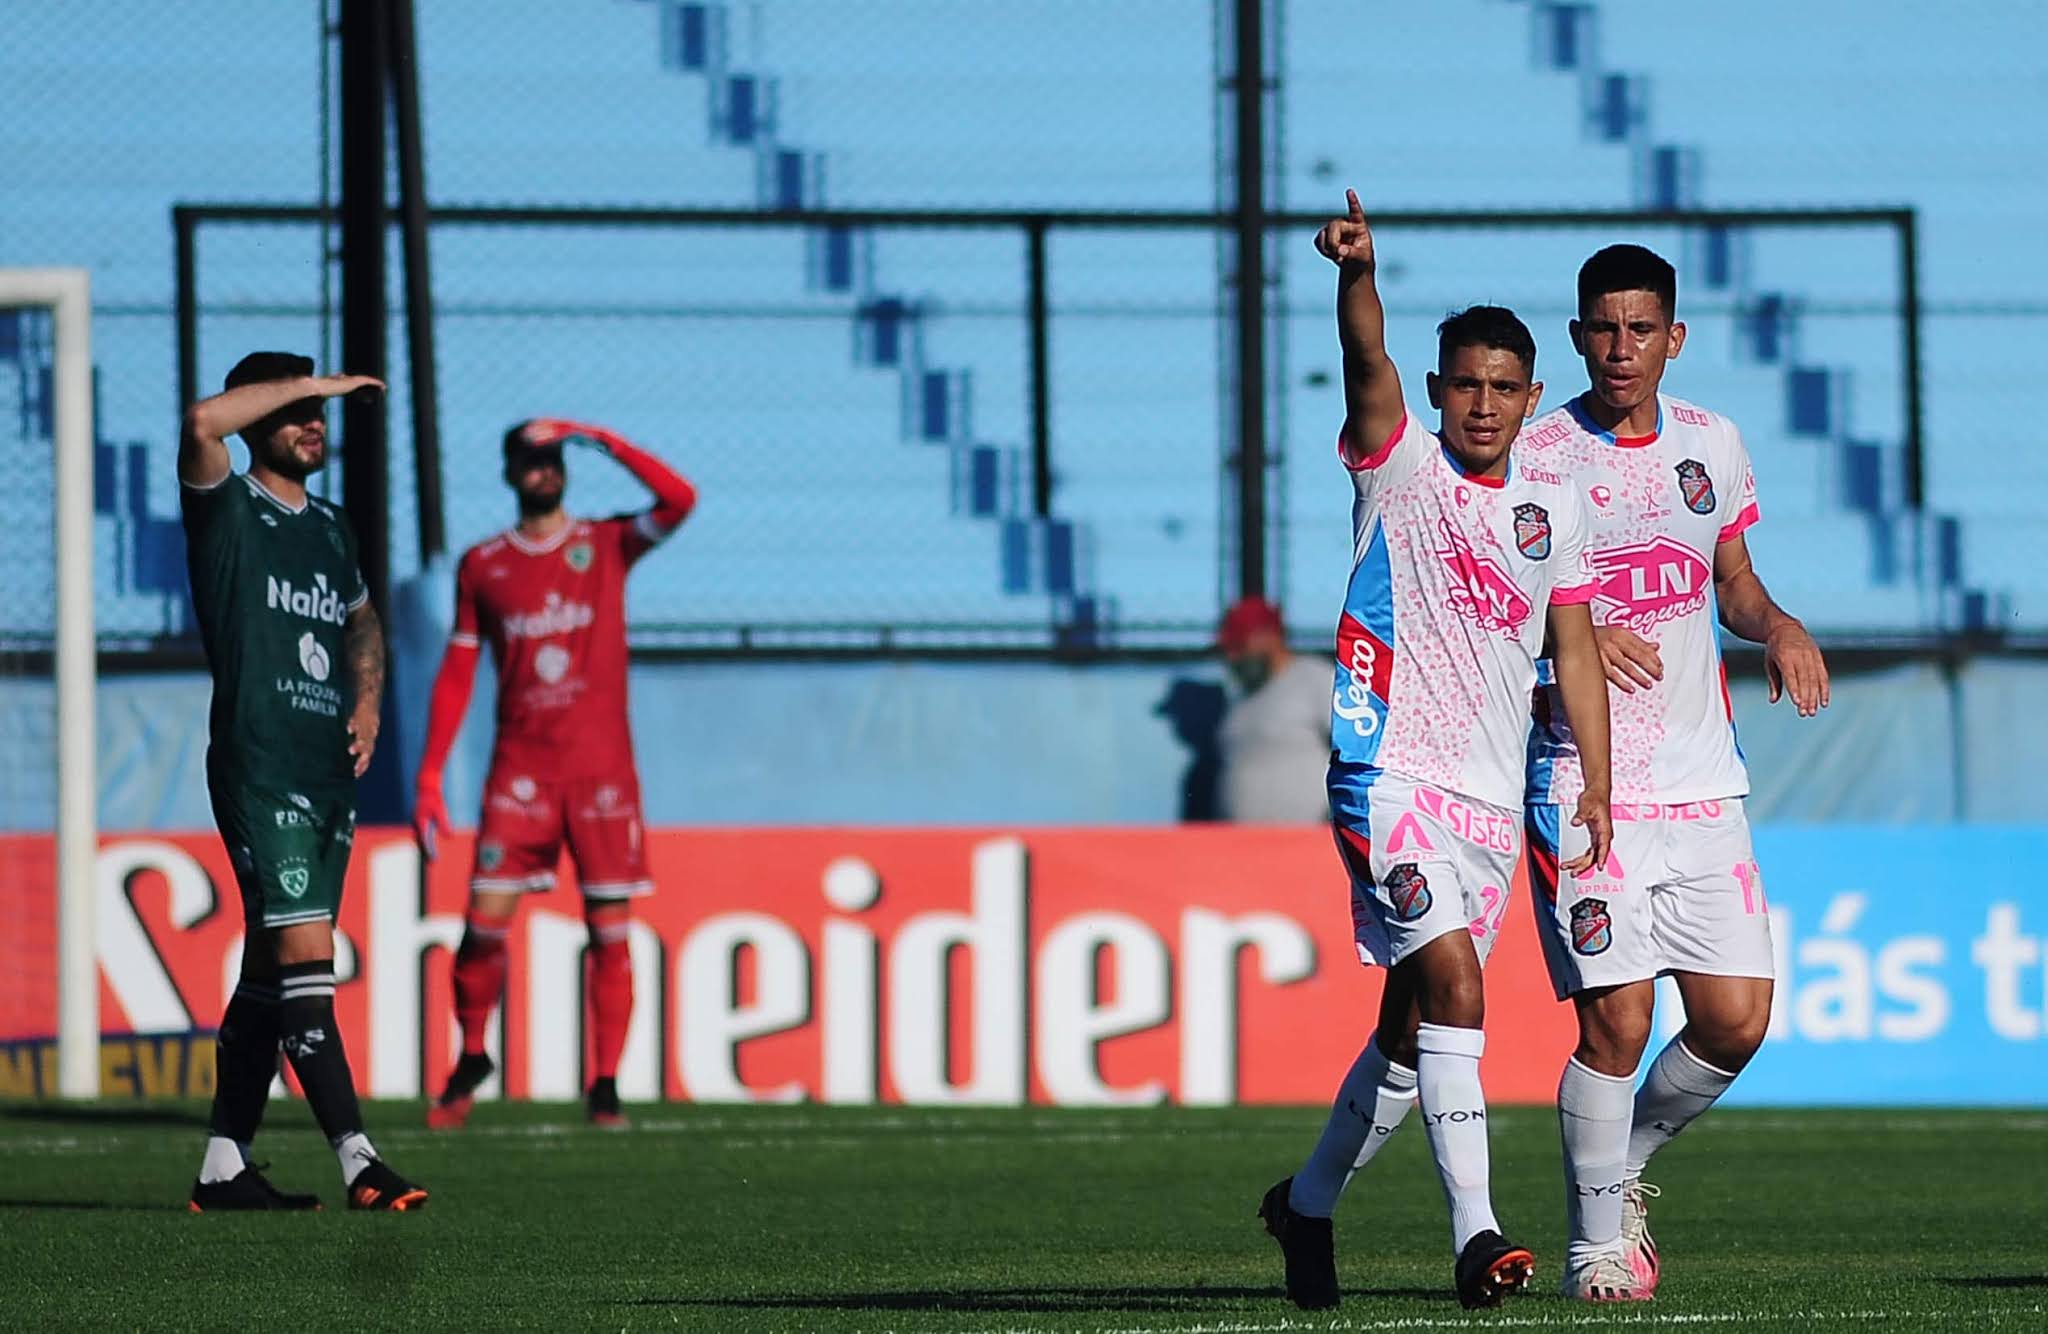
549,595
1275,740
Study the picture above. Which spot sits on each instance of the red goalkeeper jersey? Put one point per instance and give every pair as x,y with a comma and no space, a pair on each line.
554,614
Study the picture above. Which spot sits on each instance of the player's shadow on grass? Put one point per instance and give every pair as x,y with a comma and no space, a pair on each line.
1017,1300
56,1114
110,1206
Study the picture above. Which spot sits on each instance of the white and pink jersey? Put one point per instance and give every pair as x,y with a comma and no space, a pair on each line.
1659,505
1444,615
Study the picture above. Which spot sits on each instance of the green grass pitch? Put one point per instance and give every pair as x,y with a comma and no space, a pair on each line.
806,1218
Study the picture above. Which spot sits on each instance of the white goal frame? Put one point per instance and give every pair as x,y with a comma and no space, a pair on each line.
67,295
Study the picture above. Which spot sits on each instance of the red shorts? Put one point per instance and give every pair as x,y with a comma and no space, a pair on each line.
525,820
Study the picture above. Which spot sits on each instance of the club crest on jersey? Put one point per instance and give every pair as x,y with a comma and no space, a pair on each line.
578,555
1592,927
1696,486
1532,531
489,856
1408,891
294,881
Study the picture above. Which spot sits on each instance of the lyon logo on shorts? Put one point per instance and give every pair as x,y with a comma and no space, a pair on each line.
1696,486
1532,531
1408,891
1592,928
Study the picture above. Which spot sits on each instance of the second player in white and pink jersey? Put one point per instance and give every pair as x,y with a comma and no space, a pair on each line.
1669,496
1661,505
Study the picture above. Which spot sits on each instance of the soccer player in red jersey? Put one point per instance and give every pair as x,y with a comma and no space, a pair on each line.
549,595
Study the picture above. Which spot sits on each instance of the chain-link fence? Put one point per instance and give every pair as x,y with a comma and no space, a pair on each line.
862,404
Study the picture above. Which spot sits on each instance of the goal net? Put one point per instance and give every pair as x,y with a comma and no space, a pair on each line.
49,983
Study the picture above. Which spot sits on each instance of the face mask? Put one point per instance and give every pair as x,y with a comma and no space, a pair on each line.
1250,672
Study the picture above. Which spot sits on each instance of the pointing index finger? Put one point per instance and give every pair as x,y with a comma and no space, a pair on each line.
1357,209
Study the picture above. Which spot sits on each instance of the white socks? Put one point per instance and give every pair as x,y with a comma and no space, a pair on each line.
355,1153
1593,1120
224,1160
1369,1106
1454,1117
1680,1086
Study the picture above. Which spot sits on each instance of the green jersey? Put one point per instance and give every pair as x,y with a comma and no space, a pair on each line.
272,586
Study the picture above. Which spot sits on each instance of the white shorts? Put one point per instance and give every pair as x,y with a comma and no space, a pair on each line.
1423,862
1680,894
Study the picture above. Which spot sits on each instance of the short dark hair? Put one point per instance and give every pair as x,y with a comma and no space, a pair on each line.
1628,268
264,367
1486,326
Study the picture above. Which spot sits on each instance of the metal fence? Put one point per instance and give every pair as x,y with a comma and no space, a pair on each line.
1028,441
905,441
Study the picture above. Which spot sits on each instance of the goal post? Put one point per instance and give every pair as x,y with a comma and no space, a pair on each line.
66,294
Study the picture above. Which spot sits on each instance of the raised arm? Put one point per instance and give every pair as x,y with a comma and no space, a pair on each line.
362,644
1583,683
674,497
203,441
453,685
1792,661
1373,407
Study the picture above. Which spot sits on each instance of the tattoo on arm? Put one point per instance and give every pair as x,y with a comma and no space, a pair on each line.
363,646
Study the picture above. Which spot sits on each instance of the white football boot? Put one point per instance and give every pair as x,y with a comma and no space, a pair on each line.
1637,1246
1604,1278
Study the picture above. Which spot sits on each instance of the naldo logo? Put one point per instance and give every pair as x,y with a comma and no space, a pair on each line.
320,602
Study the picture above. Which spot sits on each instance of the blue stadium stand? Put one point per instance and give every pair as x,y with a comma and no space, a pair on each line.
854,402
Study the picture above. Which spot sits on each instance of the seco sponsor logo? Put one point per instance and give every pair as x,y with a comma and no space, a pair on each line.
1367,664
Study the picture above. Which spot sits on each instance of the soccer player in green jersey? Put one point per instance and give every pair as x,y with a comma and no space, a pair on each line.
297,657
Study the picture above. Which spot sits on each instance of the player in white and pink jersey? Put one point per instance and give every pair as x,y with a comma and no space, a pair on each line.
1462,555
1670,494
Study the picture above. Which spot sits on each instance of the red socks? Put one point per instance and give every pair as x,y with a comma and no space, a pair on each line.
480,985
479,980
610,983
